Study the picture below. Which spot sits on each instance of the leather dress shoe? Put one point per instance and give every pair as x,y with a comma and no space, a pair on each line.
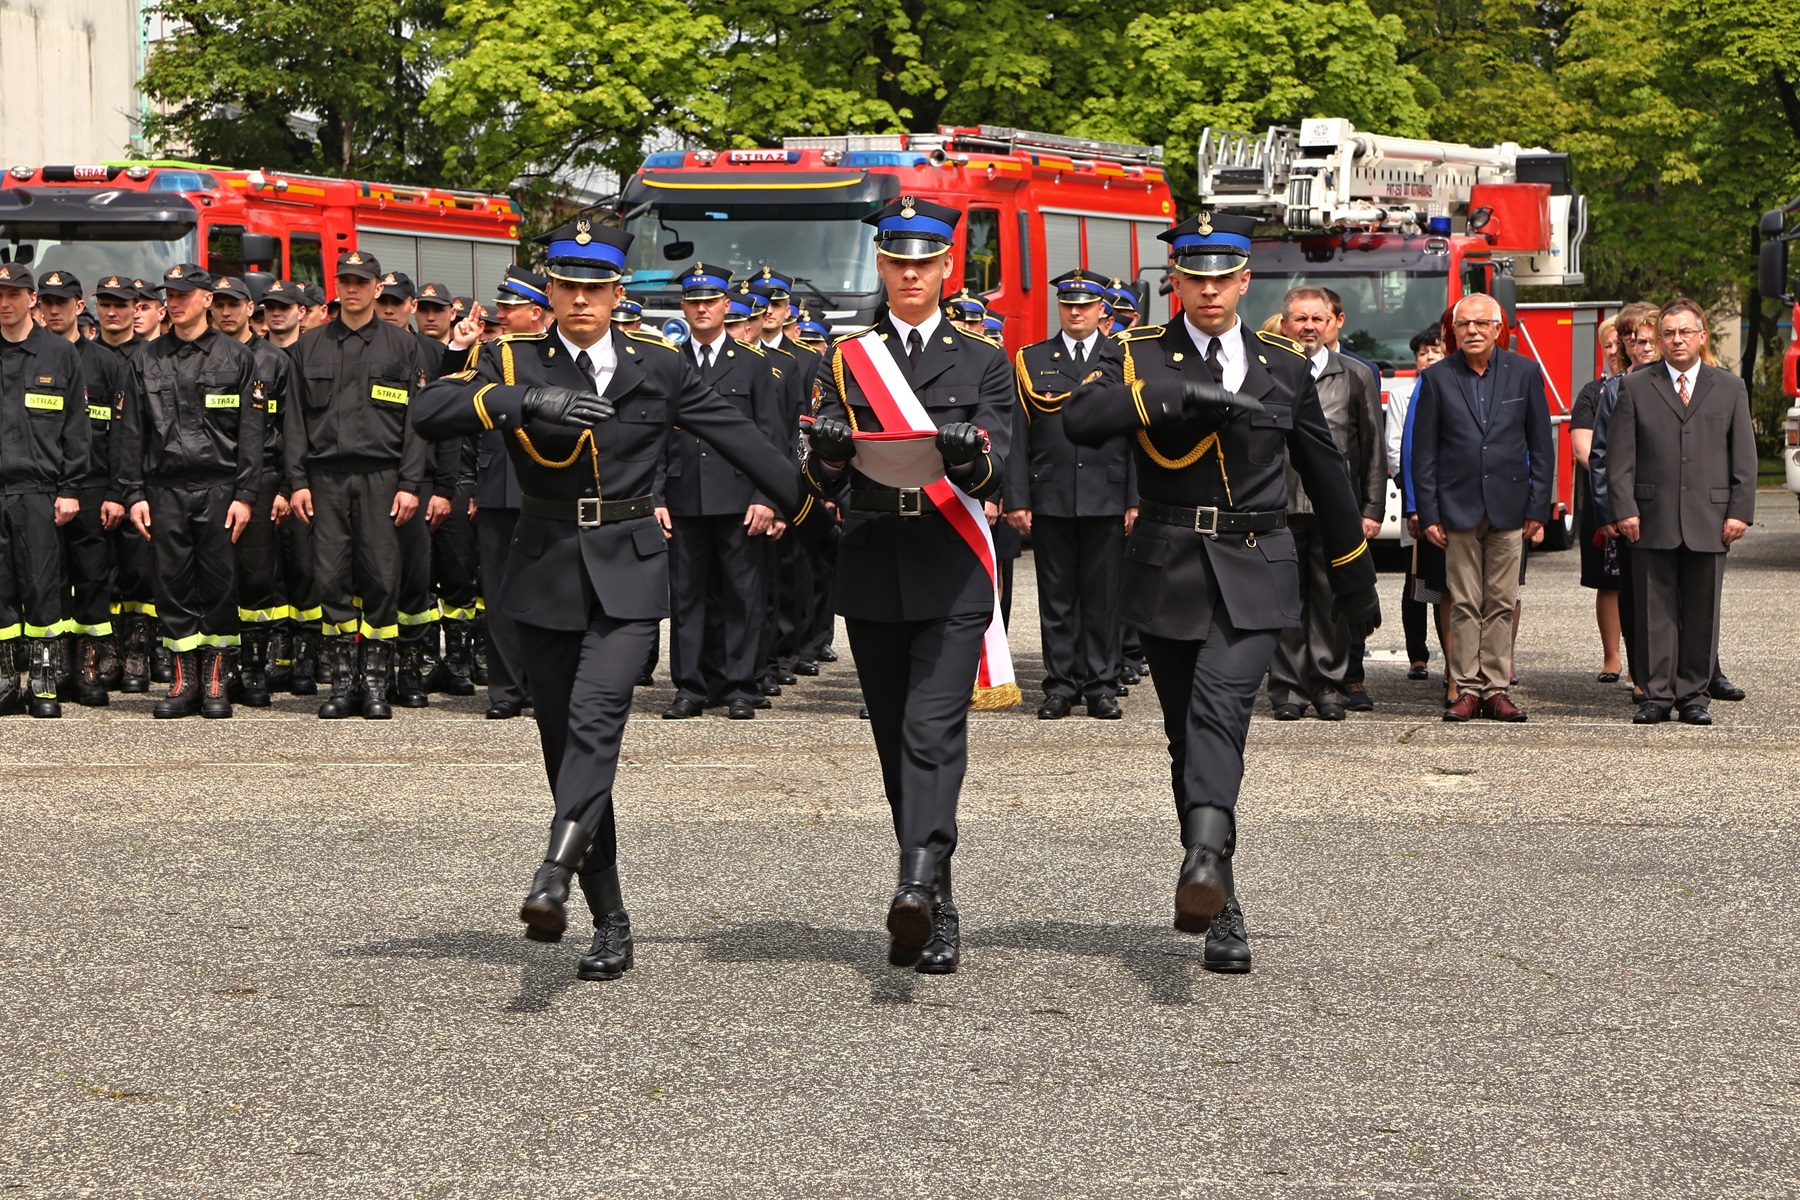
1722,688
682,709
1227,938
543,912
784,676
828,655
1499,707
1104,708
1359,699
803,667
1329,711
1418,671
909,912
1200,891
1463,708
762,704
647,679
1289,712
610,956
1128,675
862,714
768,687
504,710
943,950
1054,708
741,710
1695,714
1650,713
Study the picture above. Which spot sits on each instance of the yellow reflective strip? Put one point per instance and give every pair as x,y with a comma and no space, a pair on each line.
8,632
262,616
104,629
459,614
379,633
1352,556
310,614
183,645
418,618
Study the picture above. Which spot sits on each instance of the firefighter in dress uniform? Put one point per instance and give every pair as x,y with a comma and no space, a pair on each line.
585,411
1216,413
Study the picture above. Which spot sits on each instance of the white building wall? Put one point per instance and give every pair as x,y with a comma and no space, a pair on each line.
73,68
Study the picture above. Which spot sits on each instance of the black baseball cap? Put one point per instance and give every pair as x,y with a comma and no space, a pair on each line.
231,285
314,293
60,285
186,277
117,287
435,293
397,285
284,292
358,265
17,275
148,289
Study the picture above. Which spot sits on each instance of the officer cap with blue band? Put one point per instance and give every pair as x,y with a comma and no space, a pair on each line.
1120,296
627,309
1210,243
965,306
520,286
703,281
585,251
772,285
810,330
1079,287
992,324
912,228
745,304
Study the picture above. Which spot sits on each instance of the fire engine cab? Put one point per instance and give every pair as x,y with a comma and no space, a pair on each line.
1035,205
1775,233
138,219
1402,229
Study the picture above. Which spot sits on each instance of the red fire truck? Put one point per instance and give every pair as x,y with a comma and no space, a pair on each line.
138,219
1774,281
1402,229
1036,205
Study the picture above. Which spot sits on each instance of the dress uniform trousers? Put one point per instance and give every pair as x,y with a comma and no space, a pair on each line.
32,590
415,606
195,564
915,680
356,551
88,562
506,655
821,620
581,684
1079,564
1312,662
1207,689
262,594
715,558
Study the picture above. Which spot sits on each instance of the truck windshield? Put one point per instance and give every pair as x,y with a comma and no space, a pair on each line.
91,251
835,254
1390,290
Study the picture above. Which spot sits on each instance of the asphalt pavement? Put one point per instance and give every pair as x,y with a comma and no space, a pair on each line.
278,957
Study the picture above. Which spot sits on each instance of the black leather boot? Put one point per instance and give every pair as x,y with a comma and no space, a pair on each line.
90,679
12,697
1200,893
409,675
909,913
111,662
944,949
543,912
478,650
162,660
253,669
1228,939
134,672
41,700
611,954
183,699
377,675
458,666
65,666
279,666
215,688
339,658
305,678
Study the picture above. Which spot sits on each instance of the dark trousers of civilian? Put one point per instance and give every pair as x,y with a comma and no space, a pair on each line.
1677,597
88,565
917,678
32,591
506,656
581,684
1310,663
1079,561
196,565
714,564
356,551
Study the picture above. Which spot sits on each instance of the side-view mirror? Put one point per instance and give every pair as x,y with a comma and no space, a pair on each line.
1771,268
1772,223
675,251
1506,291
260,250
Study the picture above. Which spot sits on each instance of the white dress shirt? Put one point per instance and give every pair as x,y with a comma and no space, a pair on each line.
1318,359
601,355
1087,344
926,328
714,349
1231,352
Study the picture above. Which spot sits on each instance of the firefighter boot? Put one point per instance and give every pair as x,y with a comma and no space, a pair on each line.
183,699
215,687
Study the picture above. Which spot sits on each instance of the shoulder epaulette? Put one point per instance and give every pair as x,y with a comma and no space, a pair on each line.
779,350
850,333
524,337
1142,333
1286,343
645,335
982,337
753,348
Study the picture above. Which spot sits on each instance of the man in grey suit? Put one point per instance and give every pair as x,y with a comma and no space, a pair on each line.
1312,662
1482,468
1682,461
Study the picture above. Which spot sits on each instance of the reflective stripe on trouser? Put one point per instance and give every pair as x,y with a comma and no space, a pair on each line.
356,551
33,595
195,566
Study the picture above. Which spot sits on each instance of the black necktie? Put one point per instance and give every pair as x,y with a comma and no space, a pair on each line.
915,346
1080,354
705,355
586,364
1213,366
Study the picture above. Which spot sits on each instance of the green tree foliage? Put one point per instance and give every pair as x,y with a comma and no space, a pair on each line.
234,71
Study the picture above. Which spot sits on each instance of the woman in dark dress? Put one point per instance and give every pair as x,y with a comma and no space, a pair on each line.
1599,555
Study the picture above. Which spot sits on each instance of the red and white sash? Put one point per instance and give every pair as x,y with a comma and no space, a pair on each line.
873,367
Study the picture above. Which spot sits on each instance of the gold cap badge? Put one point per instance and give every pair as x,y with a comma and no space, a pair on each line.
582,236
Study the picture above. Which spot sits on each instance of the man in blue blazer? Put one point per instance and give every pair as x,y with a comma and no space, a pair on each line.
1482,467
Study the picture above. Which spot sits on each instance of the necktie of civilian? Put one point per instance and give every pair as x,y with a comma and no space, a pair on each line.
1681,389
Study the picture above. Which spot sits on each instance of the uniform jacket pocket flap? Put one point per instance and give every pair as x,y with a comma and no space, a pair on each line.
635,411
1273,416
1152,550
1278,549
649,540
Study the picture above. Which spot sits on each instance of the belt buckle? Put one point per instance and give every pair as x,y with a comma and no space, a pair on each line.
912,502
1211,531
587,512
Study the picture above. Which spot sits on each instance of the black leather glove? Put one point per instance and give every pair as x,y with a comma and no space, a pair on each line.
830,441
565,406
1360,612
961,443
1203,398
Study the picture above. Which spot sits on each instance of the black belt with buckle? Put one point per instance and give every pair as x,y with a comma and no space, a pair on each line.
589,512
908,502
1211,521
